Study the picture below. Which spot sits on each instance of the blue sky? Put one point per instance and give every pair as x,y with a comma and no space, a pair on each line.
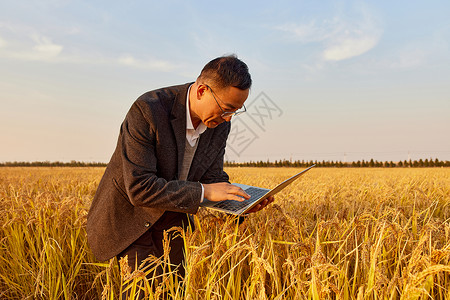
333,80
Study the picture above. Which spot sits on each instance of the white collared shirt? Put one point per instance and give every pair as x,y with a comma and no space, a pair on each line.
192,134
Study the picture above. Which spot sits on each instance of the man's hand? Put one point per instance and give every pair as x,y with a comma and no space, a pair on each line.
224,191
261,205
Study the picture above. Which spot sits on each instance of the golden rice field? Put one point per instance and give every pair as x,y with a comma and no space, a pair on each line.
333,234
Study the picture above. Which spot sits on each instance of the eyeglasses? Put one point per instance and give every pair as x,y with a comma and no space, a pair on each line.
226,114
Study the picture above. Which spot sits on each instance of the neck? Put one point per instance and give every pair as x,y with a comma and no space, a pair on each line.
192,105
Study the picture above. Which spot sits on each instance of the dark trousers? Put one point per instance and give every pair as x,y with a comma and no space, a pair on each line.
151,243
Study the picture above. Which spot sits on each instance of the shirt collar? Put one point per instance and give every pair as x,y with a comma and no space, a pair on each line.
194,133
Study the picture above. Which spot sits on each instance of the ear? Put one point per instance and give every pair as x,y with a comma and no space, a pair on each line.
201,90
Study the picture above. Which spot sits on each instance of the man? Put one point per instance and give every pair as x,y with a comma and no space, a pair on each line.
169,157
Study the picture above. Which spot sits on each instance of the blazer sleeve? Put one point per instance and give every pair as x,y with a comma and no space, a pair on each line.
142,185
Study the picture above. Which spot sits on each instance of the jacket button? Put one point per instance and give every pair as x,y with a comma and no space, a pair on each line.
147,224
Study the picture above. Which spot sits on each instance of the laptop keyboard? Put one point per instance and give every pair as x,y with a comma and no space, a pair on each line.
232,205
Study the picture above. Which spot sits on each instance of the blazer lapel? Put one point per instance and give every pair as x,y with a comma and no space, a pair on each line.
203,154
205,151
179,124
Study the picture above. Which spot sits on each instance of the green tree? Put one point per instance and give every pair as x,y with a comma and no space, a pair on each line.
421,164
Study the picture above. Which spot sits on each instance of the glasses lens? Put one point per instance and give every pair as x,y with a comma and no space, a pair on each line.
232,113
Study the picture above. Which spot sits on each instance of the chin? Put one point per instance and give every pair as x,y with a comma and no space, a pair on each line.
212,124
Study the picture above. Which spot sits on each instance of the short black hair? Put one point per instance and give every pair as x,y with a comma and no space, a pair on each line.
227,71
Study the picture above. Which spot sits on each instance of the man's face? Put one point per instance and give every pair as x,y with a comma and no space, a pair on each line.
217,101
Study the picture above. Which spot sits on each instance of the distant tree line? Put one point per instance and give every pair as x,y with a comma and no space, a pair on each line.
72,163
427,163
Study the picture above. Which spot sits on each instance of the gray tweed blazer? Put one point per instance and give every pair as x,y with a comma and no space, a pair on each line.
140,182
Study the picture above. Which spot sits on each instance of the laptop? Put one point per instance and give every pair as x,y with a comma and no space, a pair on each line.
257,195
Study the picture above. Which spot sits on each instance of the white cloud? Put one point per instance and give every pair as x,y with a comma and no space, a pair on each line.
27,44
309,32
428,52
74,30
349,47
152,64
408,58
33,48
127,59
340,38
45,48
2,42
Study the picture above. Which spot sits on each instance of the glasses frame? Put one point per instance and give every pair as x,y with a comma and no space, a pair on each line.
226,114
